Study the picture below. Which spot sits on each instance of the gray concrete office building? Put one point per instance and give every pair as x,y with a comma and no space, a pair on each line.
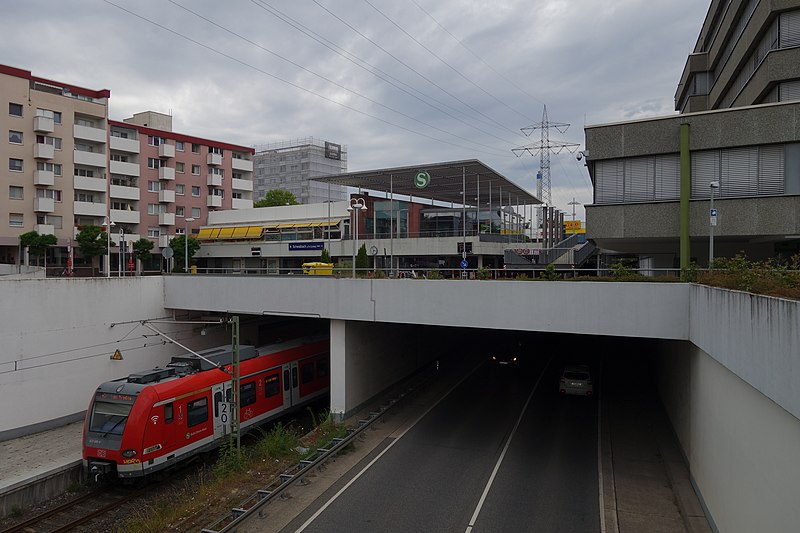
737,137
292,165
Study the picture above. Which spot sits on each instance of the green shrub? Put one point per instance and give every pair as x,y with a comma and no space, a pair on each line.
549,273
482,273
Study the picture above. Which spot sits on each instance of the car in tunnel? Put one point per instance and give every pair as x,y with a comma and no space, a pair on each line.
504,358
576,380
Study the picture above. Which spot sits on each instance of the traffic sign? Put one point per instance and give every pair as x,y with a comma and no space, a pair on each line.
422,179
464,263
167,252
713,217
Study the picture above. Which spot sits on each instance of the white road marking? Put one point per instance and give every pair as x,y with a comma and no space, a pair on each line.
389,447
503,453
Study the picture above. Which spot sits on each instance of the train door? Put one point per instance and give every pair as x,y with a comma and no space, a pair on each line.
291,384
221,397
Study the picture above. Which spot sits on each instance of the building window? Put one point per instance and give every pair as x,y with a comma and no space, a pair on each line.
15,165
84,197
153,163
196,170
195,213
83,147
55,142
15,109
179,210
119,157
14,192
214,150
15,220
120,134
84,122
195,148
196,412
153,232
156,209
153,140
55,168
50,220
49,193
217,172
55,115
179,188
84,173
153,186
15,137
195,191
179,167
236,195
179,146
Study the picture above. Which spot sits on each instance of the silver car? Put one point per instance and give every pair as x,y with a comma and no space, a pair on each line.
576,379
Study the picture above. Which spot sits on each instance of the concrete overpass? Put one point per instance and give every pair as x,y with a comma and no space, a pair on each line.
728,362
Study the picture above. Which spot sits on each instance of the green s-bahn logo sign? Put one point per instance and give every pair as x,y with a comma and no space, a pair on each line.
422,179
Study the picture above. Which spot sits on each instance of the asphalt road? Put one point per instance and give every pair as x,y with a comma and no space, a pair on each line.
496,454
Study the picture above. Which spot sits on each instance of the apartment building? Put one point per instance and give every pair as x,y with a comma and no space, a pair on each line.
69,166
735,142
292,166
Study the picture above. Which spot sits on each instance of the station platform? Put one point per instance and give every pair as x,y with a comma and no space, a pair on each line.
39,466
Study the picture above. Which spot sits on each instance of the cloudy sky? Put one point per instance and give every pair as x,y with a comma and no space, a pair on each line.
400,83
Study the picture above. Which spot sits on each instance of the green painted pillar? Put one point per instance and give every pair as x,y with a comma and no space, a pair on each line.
686,194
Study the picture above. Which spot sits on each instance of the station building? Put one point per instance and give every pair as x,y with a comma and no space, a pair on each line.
736,137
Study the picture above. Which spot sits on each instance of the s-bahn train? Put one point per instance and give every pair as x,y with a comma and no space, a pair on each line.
151,420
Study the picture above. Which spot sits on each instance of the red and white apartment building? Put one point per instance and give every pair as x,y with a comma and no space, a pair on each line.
69,165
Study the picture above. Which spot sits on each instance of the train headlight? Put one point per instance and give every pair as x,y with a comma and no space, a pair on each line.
129,453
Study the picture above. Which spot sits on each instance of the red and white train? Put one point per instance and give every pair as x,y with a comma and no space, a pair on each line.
152,420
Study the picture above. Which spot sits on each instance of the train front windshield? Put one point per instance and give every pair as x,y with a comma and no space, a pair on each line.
109,418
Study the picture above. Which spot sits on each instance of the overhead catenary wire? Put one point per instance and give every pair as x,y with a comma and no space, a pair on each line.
332,82
372,69
287,82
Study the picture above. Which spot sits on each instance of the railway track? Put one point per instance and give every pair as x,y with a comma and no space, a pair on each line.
79,511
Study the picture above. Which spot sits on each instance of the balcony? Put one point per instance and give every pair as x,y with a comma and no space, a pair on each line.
242,164
92,209
124,145
89,184
166,196
44,205
166,173
88,133
166,150
123,216
166,219
43,151
163,241
241,203
45,178
43,125
45,229
214,201
241,185
126,169
125,193
91,159
214,180
215,159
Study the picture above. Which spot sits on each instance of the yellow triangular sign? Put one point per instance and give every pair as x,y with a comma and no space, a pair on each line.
117,356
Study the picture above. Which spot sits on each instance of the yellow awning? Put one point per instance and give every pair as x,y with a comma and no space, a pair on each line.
205,233
285,226
240,232
254,232
225,233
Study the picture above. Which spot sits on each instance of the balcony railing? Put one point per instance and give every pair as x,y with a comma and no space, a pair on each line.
43,151
214,159
166,150
43,124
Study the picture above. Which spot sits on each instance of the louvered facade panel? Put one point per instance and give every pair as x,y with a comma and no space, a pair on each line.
639,177
771,170
705,169
609,184
667,177
739,175
790,29
789,90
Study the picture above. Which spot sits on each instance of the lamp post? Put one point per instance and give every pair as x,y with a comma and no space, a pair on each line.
108,224
186,245
712,221
121,265
356,205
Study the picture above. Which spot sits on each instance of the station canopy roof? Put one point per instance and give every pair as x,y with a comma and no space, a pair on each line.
445,183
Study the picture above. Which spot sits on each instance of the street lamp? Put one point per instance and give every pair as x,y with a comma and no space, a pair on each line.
356,205
108,224
186,244
712,221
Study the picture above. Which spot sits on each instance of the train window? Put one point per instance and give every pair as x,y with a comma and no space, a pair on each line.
307,373
109,418
285,380
272,385
247,394
217,400
197,412
168,413
294,377
322,368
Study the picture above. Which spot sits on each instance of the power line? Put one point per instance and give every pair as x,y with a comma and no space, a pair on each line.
370,68
412,69
287,82
322,77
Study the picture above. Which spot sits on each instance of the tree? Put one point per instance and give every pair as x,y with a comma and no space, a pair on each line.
362,261
178,245
92,242
37,244
325,257
276,197
141,249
